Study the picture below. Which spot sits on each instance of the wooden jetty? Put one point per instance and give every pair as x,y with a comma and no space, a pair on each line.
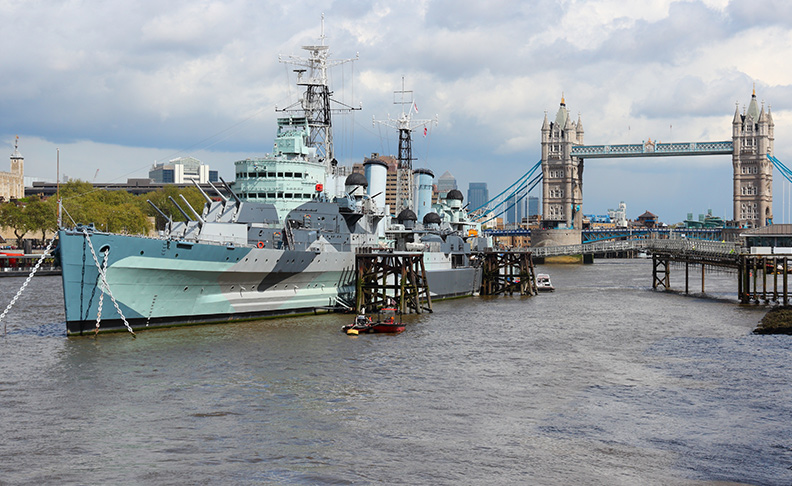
508,272
388,278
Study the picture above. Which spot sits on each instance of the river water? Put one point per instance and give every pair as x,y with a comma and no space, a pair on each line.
604,381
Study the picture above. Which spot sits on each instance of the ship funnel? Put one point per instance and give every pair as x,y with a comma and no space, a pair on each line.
377,176
376,172
422,182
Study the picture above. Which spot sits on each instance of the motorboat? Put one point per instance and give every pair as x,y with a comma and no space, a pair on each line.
364,324
543,283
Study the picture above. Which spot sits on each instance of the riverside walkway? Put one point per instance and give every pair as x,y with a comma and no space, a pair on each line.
760,278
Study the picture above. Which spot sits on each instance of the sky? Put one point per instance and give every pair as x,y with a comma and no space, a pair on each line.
117,86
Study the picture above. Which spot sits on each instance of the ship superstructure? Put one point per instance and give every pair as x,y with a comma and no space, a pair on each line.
288,177
283,243
405,124
302,164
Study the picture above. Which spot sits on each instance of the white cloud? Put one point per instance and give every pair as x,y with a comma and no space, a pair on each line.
587,24
121,84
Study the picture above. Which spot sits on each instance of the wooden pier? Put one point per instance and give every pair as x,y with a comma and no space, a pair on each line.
388,279
760,278
764,278
508,272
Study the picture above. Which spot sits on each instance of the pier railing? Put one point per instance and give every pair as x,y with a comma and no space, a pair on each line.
681,246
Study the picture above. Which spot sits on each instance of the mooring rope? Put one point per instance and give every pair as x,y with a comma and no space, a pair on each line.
104,284
27,281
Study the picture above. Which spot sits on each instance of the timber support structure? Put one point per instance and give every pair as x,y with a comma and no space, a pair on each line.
508,272
387,279
763,278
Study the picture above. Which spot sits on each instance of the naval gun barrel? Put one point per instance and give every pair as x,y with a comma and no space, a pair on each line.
228,188
225,199
197,216
206,196
187,216
158,210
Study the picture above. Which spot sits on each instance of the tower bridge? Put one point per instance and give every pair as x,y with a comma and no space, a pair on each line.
652,149
563,154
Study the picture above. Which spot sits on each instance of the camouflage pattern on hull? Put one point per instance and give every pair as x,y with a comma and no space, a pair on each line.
166,282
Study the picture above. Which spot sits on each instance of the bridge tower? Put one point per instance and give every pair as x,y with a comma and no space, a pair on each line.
562,185
752,139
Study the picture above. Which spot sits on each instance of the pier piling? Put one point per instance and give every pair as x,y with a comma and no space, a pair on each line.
386,279
508,272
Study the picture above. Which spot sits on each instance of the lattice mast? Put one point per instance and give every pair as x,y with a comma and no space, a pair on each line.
317,103
405,125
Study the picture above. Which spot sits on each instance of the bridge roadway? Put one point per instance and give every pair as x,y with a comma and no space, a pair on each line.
591,235
718,250
652,149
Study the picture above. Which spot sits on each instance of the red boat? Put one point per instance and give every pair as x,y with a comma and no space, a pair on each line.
364,324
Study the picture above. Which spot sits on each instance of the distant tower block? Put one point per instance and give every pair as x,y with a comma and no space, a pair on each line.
752,139
562,186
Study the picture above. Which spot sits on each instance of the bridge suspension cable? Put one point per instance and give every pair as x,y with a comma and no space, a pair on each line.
783,169
519,185
527,190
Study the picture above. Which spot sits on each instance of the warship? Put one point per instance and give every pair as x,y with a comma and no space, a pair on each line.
279,240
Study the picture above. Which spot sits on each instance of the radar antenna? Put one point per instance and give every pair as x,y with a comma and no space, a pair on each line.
317,104
405,125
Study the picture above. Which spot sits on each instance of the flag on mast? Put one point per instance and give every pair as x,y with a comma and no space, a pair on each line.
415,107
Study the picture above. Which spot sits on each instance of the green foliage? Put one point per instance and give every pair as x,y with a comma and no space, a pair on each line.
122,212
14,217
42,215
112,211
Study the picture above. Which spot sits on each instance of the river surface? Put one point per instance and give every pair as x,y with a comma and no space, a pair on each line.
604,381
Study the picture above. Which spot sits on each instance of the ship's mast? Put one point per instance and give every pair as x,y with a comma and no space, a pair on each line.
317,104
405,124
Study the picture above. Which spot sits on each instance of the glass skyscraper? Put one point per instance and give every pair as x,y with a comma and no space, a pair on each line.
477,195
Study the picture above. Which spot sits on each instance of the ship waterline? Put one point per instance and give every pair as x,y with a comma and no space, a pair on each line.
158,283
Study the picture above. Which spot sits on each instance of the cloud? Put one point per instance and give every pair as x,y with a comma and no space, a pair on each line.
150,79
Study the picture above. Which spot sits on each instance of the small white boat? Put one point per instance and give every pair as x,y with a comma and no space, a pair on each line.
543,283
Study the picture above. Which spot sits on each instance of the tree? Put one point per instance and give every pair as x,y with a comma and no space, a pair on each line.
112,211
14,217
42,216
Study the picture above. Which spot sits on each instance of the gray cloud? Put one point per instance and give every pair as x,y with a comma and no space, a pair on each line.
205,75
